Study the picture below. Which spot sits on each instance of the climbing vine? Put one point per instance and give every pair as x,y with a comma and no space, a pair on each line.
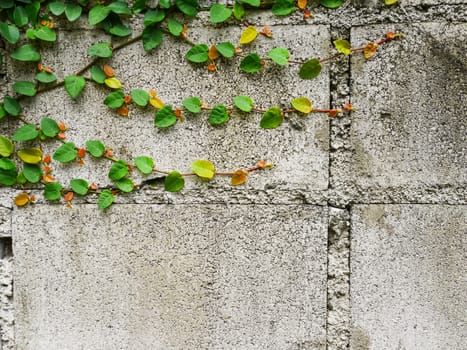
24,24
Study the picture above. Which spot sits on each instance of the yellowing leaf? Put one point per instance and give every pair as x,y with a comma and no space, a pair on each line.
156,102
302,104
22,199
30,155
248,35
390,2
370,50
301,4
239,177
213,54
343,46
203,168
113,83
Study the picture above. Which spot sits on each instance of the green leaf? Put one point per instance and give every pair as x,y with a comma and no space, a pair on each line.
144,164
79,186
174,182
30,34
283,7
331,4
26,88
175,27
95,147
203,168
26,133
251,63
192,104
254,3
6,146
114,99
33,11
72,11
219,13
272,118
52,191
244,103
153,17
57,8
165,117
118,170
125,185
238,10
20,179
49,127
26,53
11,106
343,46
44,77
140,97
188,7
3,113
119,7
30,155
20,16
390,2
6,4
218,115
8,172
9,32
74,85
279,55
310,69
302,104
102,50
106,198
139,5
120,30
226,49
97,14
198,54
66,153
32,172
98,75
152,38
45,33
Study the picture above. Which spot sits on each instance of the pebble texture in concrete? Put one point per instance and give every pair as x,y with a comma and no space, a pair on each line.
408,277
170,277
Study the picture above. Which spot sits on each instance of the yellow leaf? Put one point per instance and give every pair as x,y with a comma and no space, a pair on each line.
390,2
213,54
302,104
301,4
22,199
239,177
113,83
30,155
248,35
156,102
370,50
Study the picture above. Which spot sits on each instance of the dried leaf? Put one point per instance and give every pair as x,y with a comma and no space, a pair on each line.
301,4
239,177
213,54
370,50
22,199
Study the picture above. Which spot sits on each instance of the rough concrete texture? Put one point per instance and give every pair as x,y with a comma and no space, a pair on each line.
140,277
408,277
265,265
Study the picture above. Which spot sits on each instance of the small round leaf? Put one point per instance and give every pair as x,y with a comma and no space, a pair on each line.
79,186
6,146
279,55
102,50
310,69
174,182
165,117
198,54
125,185
272,118
218,115
203,168
30,155
140,97
32,173
105,200
144,164
118,170
66,153
192,104
52,191
74,85
27,53
302,104
95,147
26,133
244,103
219,13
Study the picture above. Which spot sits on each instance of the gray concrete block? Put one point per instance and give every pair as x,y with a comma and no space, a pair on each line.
299,147
409,130
170,277
5,222
408,277
7,317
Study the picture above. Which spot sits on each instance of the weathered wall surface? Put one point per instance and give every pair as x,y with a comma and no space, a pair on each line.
355,240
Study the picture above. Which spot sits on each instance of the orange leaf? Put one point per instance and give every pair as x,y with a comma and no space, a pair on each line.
349,107
48,178
93,187
80,162
47,169
306,14
44,22
267,31
32,198
123,111
69,196
156,102
81,153
301,4
370,50
108,152
334,113
239,177
61,126
184,31
22,199
50,24
238,49
211,67
127,99
153,93
213,54
61,135
47,159
109,72
48,70
40,67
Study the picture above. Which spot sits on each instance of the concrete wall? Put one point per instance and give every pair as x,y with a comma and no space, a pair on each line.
356,239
